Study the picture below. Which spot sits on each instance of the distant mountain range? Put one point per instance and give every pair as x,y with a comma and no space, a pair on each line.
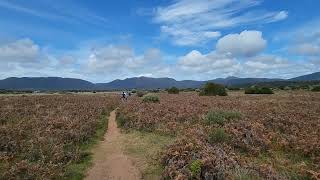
57,83
308,77
148,83
45,83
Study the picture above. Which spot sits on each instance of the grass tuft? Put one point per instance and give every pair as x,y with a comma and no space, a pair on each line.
151,98
195,168
121,120
218,136
220,117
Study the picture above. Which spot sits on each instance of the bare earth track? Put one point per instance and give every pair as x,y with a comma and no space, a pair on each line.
109,160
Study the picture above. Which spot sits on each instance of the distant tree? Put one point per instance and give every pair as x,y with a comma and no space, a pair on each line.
212,89
258,90
234,88
189,89
173,90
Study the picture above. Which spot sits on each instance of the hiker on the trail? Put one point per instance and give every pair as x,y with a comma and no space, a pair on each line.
123,95
126,95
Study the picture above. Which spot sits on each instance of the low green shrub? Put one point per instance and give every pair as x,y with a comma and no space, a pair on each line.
188,90
195,168
220,117
151,98
258,90
4,91
173,90
141,93
316,89
212,89
121,120
218,136
266,90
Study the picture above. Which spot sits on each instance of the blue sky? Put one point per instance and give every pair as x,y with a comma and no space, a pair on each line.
184,39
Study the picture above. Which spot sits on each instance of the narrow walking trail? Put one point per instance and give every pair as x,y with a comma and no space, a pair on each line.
109,160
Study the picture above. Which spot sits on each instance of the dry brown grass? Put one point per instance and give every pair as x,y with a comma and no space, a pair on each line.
286,122
40,136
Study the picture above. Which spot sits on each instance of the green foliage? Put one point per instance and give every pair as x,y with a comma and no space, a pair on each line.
189,89
234,88
121,120
141,93
173,90
133,90
258,90
151,98
4,91
195,168
212,89
76,171
218,136
316,89
266,90
220,117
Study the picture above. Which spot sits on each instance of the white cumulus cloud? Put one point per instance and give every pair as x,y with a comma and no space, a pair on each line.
206,65
247,43
23,57
187,22
103,63
22,50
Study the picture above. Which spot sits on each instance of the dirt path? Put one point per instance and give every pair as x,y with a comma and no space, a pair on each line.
109,161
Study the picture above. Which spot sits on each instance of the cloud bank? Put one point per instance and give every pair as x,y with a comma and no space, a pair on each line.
187,22
241,54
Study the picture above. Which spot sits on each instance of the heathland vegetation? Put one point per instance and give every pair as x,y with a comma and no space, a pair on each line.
237,136
49,136
207,133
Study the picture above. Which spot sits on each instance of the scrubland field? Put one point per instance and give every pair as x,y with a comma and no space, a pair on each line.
219,137
46,137
235,137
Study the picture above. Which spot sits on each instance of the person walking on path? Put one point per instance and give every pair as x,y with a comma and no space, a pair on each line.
123,96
